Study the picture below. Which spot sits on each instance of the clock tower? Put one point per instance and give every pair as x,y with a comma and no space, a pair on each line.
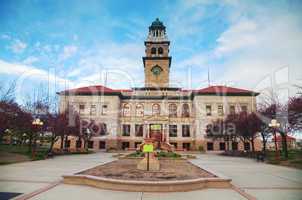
157,60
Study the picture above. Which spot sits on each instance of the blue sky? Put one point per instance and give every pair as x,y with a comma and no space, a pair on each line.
74,43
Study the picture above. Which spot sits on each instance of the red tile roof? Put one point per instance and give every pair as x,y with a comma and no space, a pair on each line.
89,90
288,138
123,90
219,89
208,90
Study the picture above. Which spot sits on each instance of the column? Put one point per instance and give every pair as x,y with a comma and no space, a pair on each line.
147,130
167,134
145,133
163,132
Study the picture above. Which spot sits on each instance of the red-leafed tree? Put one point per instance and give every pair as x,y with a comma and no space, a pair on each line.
243,125
295,113
15,119
61,125
222,129
266,113
5,116
250,127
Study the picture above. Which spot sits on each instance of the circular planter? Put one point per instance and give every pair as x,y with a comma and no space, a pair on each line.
148,186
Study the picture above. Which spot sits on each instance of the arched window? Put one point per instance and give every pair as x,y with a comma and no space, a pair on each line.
185,110
156,109
126,110
139,110
160,50
172,110
153,50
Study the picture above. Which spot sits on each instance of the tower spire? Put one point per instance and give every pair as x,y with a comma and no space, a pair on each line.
157,60
157,32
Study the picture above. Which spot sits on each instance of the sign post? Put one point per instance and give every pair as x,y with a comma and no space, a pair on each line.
148,160
148,148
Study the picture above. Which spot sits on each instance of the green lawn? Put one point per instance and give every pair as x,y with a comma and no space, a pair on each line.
23,150
160,154
294,158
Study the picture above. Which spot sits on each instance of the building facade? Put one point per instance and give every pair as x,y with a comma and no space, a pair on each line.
175,115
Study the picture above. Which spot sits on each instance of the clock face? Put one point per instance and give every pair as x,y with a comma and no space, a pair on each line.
156,70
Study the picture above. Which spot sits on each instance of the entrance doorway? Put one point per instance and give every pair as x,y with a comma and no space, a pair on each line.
156,133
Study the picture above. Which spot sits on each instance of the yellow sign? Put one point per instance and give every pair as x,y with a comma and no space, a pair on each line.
148,148
155,127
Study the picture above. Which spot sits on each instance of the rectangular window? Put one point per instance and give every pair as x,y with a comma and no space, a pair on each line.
222,146
208,110
104,109
243,108
93,110
220,110
82,109
232,110
126,129
234,146
78,143
139,130
67,143
210,146
103,129
247,146
186,146
90,144
173,130
102,145
125,145
185,130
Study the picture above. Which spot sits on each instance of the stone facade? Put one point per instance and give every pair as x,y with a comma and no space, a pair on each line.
176,115
160,80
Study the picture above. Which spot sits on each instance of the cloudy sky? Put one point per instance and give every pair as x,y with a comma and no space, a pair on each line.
246,44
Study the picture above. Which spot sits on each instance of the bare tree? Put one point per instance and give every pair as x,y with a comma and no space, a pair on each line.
7,94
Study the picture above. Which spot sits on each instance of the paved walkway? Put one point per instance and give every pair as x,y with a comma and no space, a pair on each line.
260,180
251,179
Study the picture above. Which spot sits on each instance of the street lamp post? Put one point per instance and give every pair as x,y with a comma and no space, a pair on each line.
24,138
36,123
275,125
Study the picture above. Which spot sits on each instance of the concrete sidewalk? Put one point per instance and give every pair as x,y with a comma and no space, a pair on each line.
262,181
27,177
258,180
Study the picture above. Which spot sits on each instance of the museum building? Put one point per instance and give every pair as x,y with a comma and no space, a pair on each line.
175,115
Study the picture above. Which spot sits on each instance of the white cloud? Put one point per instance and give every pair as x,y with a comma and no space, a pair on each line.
122,62
257,43
30,60
240,35
18,46
256,49
29,72
68,51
